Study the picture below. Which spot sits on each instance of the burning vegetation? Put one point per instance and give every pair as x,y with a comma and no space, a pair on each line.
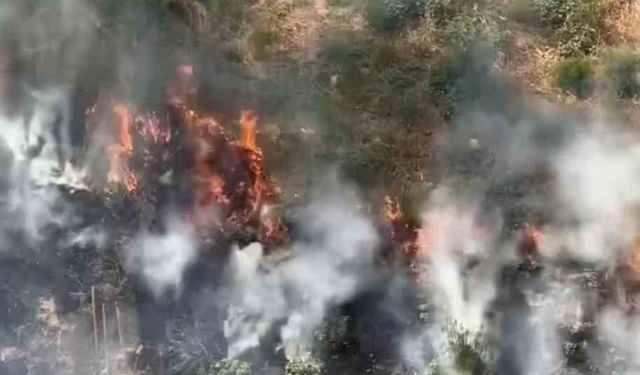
183,190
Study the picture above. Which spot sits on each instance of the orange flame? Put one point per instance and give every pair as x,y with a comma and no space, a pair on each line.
119,153
257,187
248,129
230,186
209,185
404,237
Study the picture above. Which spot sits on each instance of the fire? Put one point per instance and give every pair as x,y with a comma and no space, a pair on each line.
426,238
248,130
404,237
208,142
634,259
121,151
251,155
230,186
391,211
152,129
530,243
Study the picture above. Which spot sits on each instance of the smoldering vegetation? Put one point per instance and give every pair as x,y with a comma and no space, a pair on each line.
140,234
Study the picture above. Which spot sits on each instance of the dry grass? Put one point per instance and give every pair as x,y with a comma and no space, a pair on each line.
533,62
623,24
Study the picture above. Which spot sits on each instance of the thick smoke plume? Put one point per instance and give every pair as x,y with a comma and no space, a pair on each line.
330,260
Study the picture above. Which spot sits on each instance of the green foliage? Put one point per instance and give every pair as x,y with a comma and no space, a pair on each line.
575,75
132,18
390,15
347,59
555,12
303,367
460,23
230,367
470,351
384,57
227,15
524,12
331,334
461,78
262,37
622,69
578,23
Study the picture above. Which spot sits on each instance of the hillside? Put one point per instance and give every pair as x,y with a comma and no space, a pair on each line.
306,187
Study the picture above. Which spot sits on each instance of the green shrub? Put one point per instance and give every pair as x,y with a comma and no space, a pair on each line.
462,78
389,15
303,367
523,11
554,13
461,23
470,351
622,69
578,23
347,59
230,367
575,75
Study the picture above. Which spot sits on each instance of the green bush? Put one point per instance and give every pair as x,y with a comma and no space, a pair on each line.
578,23
555,13
389,15
303,367
461,23
575,75
462,78
622,69
471,351
347,58
524,12
230,367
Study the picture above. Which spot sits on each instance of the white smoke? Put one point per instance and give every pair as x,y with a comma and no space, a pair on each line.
460,280
597,176
31,163
618,330
329,262
161,259
594,204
